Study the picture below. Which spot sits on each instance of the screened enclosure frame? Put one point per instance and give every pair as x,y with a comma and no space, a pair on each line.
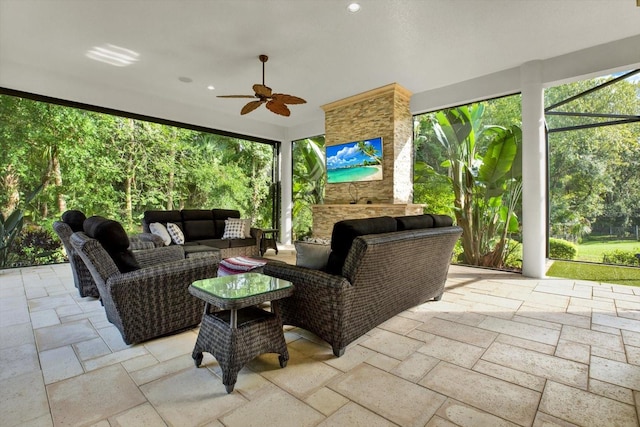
611,120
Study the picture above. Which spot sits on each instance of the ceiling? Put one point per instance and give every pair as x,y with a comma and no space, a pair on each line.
317,50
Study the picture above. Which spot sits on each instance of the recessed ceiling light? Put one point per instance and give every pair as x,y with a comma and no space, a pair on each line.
210,87
353,7
184,79
113,55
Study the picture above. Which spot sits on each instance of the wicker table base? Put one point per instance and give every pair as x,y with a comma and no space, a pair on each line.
241,331
258,332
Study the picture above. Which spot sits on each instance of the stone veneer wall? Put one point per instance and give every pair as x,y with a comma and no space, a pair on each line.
382,112
325,216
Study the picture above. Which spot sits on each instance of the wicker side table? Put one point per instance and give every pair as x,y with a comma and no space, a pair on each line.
242,331
268,240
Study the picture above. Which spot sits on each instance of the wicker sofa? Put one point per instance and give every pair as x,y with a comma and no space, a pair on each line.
204,228
374,272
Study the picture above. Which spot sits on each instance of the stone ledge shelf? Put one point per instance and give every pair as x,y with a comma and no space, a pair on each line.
325,216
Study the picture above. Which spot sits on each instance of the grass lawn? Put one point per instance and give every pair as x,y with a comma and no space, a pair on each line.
595,272
592,250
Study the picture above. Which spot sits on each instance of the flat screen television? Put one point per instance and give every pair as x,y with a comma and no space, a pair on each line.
354,161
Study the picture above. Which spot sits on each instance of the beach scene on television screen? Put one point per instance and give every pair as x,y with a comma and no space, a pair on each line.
355,161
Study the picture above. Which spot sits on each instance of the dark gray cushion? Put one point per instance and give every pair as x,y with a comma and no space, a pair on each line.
215,243
198,224
91,224
225,213
74,219
114,240
192,249
344,232
414,222
238,243
441,220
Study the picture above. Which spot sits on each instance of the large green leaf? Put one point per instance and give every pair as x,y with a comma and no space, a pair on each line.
459,120
12,221
422,171
499,157
516,166
33,194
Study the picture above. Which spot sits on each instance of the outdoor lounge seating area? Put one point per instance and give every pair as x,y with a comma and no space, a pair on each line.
498,349
367,116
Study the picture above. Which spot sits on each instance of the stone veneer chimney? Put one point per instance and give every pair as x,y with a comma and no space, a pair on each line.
382,112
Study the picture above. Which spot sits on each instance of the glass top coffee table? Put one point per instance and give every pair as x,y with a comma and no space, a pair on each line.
241,331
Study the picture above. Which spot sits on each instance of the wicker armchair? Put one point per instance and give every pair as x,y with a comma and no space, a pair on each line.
383,275
154,300
81,274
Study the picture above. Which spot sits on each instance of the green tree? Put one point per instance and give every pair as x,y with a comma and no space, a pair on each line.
309,179
119,167
595,170
486,186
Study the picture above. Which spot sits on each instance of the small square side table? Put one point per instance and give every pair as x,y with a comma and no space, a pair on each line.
241,331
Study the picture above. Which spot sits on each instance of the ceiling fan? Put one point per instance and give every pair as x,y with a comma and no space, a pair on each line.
275,101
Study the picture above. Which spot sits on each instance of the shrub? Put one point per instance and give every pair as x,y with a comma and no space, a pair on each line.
513,259
457,257
618,256
36,246
561,249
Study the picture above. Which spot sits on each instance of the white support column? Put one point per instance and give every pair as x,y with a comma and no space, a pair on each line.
534,166
286,186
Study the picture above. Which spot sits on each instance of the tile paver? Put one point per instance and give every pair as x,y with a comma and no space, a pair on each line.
586,409
498,350
497,397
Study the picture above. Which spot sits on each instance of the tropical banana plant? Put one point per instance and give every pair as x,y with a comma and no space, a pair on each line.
487,187
309,172
11,226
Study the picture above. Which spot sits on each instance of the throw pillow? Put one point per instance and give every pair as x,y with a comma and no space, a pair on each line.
160,230
176,234
312,255
247,228
233,229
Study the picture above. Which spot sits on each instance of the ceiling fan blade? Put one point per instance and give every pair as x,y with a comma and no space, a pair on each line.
236,96
287,99
278,108
250,107
262,90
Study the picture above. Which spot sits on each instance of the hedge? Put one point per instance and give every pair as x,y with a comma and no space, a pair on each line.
561,249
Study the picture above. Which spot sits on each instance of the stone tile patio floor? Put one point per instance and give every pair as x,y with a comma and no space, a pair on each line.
498,350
